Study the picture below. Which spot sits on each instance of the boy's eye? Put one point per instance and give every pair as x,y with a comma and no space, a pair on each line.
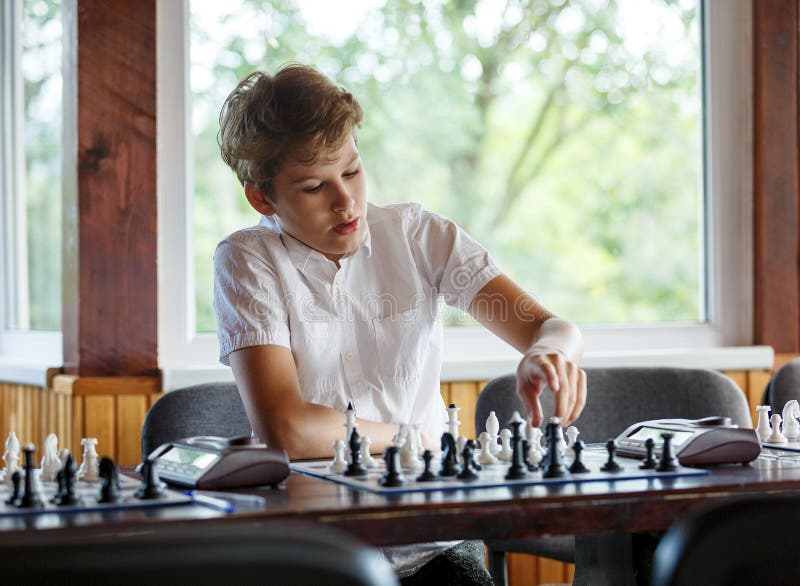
352,173
314,189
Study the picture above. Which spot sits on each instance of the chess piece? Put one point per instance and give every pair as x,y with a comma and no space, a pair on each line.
487,457
409,453
30,499
339,463
468,471
668,463
366,456
526,453
66,496
776,437
11,456
572,435
517,470
553,460
650,461
355,467
427,474
492,428
452,420
505,452
763,428
88,471
461,441
110,491
474,463
450,465
535,455
151,486
611,464
791,426
16,491
393,475
577,466
51,463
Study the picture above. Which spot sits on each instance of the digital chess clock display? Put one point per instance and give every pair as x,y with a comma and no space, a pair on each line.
198,459
645,433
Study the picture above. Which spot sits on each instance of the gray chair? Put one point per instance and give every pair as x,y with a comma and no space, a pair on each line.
197,554
617,398
207,409
783,386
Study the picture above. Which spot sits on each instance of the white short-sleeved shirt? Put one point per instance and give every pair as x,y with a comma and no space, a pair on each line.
370,331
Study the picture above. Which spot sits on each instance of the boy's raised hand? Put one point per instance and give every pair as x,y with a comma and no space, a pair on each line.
541,367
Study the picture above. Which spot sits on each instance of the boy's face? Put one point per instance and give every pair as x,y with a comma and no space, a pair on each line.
323,204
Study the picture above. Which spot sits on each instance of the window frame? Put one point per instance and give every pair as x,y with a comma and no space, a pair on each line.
727,244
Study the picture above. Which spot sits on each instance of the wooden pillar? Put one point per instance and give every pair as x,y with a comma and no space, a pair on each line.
776,157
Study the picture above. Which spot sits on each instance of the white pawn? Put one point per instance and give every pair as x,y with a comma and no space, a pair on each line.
461,441
776,437
791,427
492,428
535,438
535,454
572,434
409,456
339,463
401,436
452,420
505,445
51,463
366,457
11,457
486,457
89,470
763,428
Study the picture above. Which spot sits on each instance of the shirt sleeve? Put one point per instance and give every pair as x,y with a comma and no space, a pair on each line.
248,301
456,265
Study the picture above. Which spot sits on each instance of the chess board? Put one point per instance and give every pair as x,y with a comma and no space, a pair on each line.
88,492
492,476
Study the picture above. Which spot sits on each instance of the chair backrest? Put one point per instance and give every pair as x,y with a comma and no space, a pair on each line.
619,397
783,386
233,552
207,409
744,542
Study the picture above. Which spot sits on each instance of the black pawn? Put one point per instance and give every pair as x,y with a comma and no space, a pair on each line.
650,461
578,466
30,499
611,465
355,467
151,486
526,453
668,463
60,483
468,471
554,459
450,465
427,474
16,481
393,475
110,491
517,470
474,462
66,496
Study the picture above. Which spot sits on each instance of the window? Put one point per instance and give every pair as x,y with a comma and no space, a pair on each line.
30,175
582,142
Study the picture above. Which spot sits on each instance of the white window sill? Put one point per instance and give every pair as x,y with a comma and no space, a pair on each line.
24,372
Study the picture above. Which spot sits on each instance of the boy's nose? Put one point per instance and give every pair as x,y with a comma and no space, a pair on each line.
342,200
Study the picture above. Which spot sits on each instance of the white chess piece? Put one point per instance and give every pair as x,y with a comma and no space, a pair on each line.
51,463
492,428
486,456
776,437
572,434
409,453
11,457
452,420
62,454
505,445
339,463
89,470
535,438
763,428
401,436
461,441
535,454
791,426
366,457
349,424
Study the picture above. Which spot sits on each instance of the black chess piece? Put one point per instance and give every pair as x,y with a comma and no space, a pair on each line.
554,466
355,467
517,470
427,474
611,465
66,496
468,471
16,491
110,491
668,462
526,456
577,466
475,464
61,488
393,475
650,461
151,486
30,499
450,465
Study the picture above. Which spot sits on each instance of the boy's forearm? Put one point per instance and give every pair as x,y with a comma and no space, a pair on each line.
559,334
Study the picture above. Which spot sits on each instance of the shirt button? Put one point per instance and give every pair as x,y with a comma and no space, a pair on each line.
348,356
338,278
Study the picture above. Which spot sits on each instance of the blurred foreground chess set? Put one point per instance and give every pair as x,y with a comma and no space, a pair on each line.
780,433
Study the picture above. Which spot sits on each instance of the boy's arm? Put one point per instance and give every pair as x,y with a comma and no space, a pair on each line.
551,346
270,389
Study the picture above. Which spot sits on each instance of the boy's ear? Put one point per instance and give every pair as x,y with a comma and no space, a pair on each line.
259,200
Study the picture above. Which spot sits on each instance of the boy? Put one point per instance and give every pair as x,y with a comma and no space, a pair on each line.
331,299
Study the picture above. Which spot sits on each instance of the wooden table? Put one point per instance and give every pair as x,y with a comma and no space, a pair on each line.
587,509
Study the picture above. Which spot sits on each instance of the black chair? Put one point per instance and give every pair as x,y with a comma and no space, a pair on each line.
196,554
207,409
753,541
617,398
783,386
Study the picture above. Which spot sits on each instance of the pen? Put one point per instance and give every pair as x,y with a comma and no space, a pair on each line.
212,502
238,499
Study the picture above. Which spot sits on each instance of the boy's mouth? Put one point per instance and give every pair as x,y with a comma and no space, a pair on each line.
346,227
